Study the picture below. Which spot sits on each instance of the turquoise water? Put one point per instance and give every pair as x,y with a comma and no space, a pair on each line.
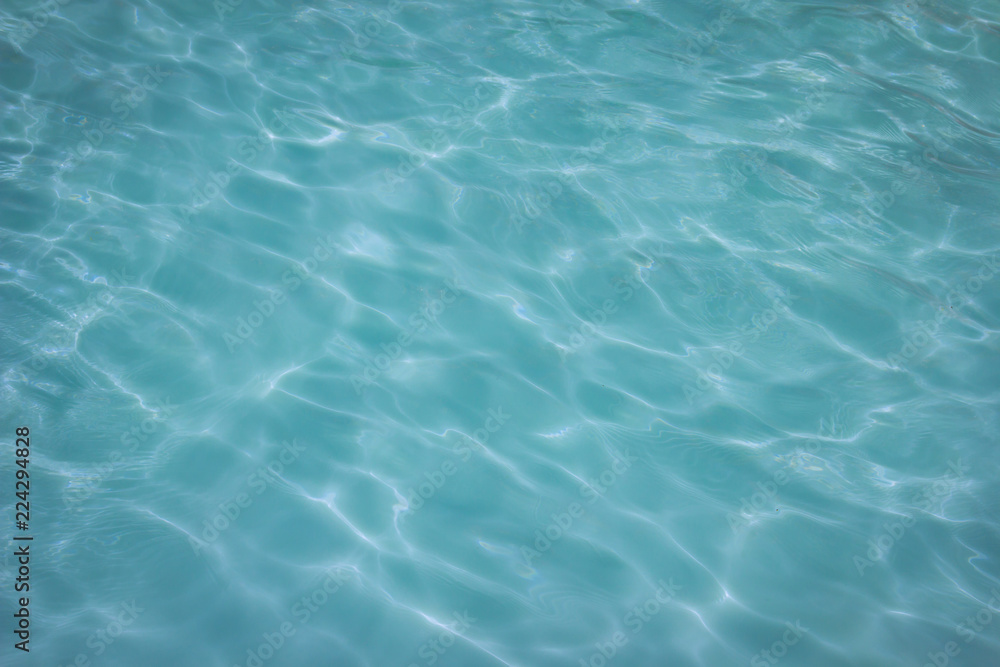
502,333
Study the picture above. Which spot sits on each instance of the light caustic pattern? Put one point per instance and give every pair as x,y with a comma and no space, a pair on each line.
620,332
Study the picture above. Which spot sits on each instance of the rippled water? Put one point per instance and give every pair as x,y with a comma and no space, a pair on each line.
605,332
